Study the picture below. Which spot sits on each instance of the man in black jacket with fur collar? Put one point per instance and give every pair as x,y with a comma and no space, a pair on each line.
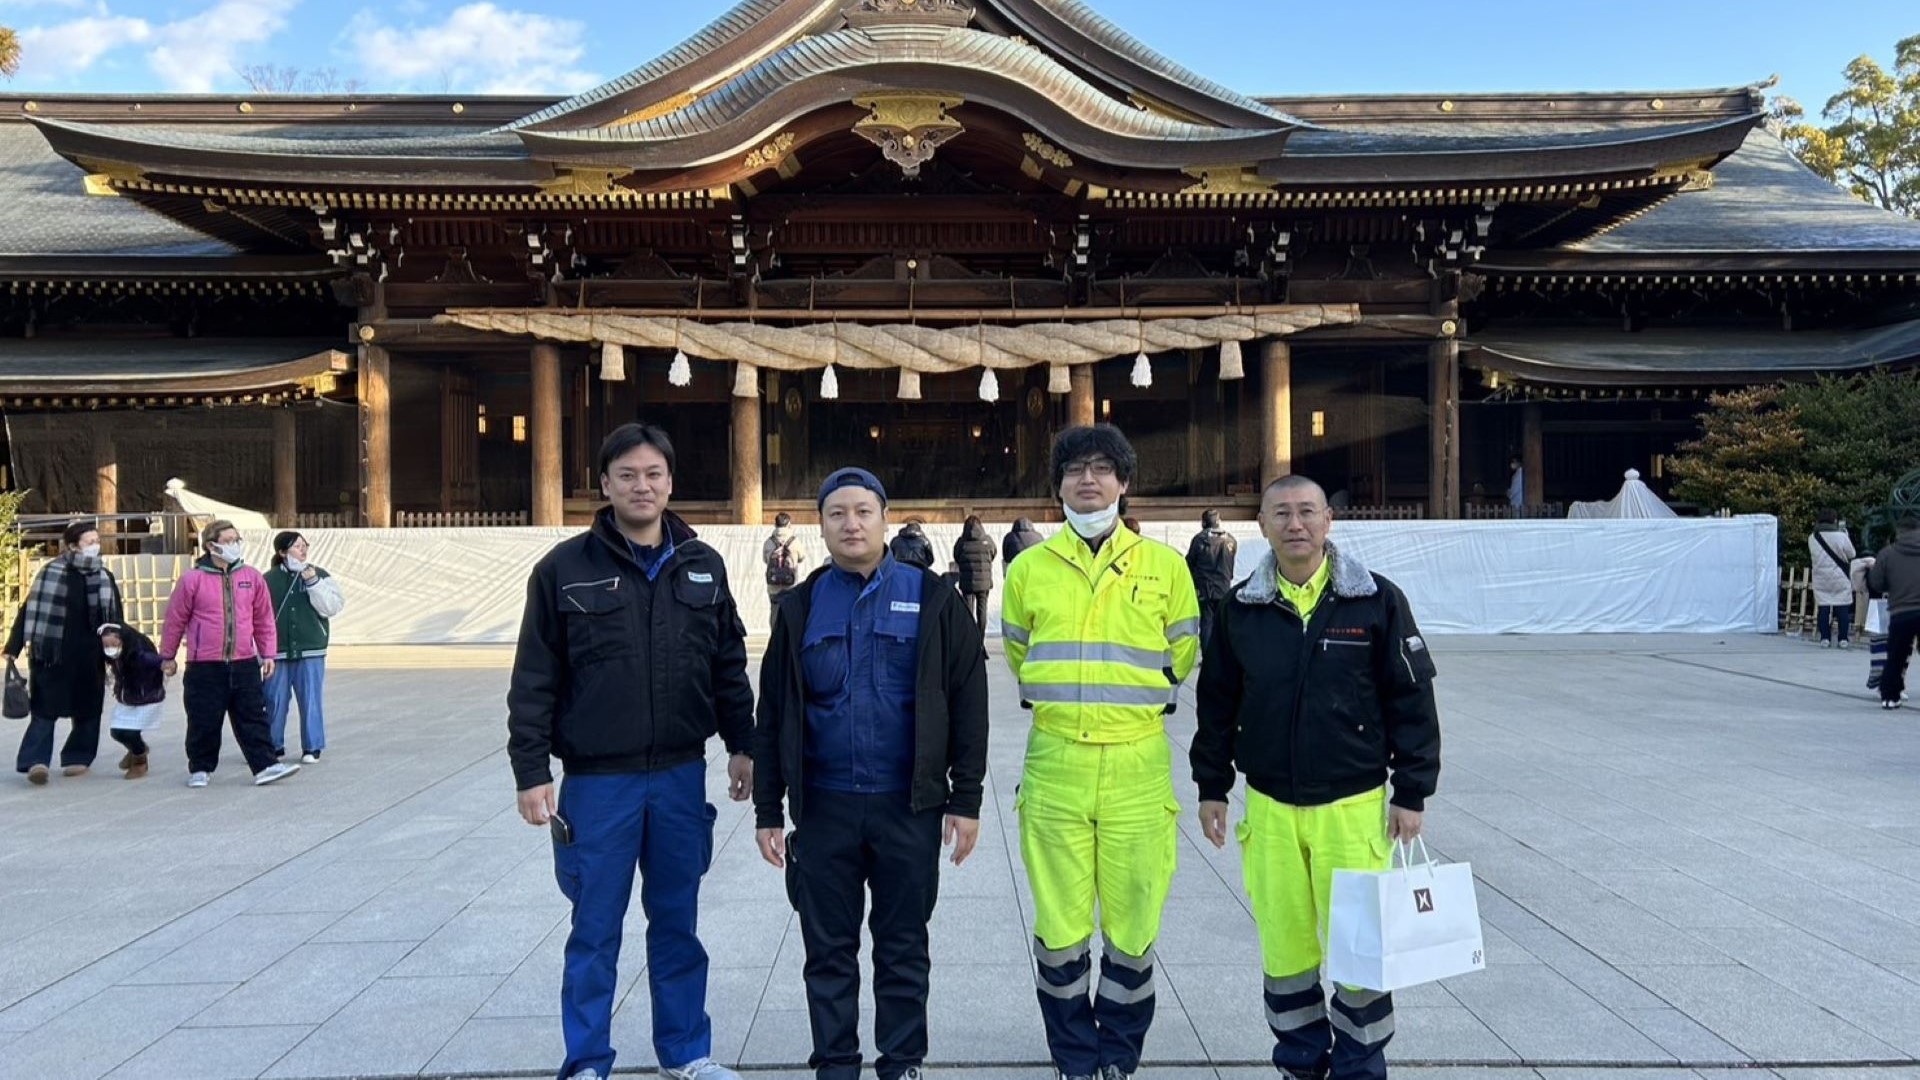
1319,687
873,731
632,655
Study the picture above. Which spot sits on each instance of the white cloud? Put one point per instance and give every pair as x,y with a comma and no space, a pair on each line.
192,54
478,47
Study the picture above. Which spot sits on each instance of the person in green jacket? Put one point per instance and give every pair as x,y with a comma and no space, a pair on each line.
304,598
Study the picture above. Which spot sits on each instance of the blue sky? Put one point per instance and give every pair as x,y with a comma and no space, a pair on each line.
1263,46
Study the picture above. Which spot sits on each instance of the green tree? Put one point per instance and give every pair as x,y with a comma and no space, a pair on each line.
9,52
12,586
1871,142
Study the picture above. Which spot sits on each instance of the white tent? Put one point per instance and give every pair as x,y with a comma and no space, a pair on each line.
253,526
1636,500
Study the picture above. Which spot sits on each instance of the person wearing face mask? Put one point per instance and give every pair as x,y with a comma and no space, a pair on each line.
221,611
1101,626
139,689
70,598
305,600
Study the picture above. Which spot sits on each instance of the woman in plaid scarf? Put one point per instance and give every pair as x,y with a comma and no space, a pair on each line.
58,626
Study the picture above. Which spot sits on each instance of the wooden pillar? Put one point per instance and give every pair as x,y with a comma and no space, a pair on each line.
1443,429
747,473
1080,403
106,476
286,503
1276,412
376,438
549,503
1533,454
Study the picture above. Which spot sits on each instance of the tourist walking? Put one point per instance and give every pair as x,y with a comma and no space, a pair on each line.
912,547
631,656
1210,559
139,691
873,732
221,611
1319,688
973,554
785,558
305,600
1896,573
1018,539
1100,626
58,628
1832,554
1516,486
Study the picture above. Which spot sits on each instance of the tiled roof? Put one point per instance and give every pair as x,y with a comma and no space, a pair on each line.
45,210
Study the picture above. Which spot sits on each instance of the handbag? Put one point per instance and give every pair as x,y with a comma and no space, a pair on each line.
1876,618
1399,928
18,704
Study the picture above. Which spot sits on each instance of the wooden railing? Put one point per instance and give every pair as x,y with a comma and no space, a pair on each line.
1797,606
459,519
1498,512
1399,512
331,519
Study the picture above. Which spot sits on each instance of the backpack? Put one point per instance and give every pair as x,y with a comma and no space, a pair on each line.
781,571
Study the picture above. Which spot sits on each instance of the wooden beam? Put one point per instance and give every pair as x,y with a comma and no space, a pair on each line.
548,481
1533,455
376,438
747,501
1443,429
1276,411
106,472
286,503
1080,403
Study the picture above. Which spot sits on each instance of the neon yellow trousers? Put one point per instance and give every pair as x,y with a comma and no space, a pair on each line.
1098,824
1288,856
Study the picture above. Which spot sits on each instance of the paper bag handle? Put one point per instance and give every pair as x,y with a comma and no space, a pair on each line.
1404,851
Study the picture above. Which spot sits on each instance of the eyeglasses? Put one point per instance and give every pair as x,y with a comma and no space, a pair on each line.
1305,515
1100,467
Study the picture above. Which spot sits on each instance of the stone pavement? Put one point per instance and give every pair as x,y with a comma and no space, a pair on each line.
1694,854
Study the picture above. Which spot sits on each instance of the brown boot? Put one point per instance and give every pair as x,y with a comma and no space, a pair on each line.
37,776
74,770
137,766
126,761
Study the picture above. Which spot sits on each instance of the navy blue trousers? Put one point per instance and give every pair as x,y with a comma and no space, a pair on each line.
660,824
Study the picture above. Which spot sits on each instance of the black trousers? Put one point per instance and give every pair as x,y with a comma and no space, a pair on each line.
977,603
216,691
1902,630
36,743
1209,618
850,845
135,742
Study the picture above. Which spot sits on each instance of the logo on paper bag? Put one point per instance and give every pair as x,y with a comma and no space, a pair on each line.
1422,901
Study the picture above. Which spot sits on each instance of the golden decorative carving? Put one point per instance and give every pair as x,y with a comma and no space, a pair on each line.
908,128
104,176
659,108
1048,152
772,153
1697,180
1227,180
584,181
864,13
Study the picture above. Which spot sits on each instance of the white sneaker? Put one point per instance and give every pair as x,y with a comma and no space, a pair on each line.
585,1074
276,771
198,779
700,1069
1846,644
1826,644
308,759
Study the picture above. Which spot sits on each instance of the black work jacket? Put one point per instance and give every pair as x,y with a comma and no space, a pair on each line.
950,709
1318,711
616,673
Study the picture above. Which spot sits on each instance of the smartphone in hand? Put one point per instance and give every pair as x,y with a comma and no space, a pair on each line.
561,829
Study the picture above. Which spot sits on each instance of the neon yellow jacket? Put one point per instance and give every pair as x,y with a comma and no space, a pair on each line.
1100,643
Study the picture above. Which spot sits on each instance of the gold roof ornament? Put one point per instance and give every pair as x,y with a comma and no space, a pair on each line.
1048,152
584,181
1227,180
909,128
861,14
773,153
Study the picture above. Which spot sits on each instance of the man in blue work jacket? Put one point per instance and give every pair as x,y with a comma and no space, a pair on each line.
873,730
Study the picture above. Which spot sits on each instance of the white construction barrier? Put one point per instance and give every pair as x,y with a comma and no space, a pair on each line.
1689,575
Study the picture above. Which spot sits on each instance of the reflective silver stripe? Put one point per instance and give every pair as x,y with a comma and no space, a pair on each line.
1059,957
1185,628
1131,963
1125,995
1019,635
1282,985
1082,694
1295,1019
1097,652
1372,1035
1356,998
1075,989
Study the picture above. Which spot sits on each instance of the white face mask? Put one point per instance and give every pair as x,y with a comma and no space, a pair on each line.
89,551
294,565
111,651
233,553
1094,525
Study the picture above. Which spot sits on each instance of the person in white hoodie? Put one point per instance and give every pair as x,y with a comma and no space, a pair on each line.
1833,554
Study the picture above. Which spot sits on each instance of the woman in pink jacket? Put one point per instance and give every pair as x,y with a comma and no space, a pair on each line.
220,608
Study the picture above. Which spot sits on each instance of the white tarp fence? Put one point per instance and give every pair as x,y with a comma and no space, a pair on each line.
1686,575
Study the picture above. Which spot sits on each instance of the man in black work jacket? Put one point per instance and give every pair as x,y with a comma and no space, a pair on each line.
1319,687
631,656
873,730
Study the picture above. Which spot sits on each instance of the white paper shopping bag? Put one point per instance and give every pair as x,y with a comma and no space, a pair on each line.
1403,927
